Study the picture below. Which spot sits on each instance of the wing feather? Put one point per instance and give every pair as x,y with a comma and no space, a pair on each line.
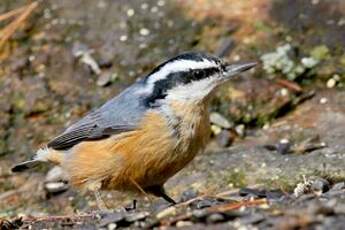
120,114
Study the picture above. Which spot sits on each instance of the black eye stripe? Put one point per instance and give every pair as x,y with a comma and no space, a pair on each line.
173,79
192,56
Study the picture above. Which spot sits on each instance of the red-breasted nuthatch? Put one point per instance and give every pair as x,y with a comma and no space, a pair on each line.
145,135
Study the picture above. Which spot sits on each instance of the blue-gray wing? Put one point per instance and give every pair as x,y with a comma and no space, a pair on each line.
121,114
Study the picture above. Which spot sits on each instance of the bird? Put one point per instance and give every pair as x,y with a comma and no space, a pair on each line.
143,136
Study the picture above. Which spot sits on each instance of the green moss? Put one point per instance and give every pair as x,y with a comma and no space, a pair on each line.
320,52
236,178
18,101
262,26
280,182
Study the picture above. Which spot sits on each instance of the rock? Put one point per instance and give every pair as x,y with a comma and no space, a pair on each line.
113,217
132,217
105,78
216,129
181,223
188,195
215,218
338,186
331,83
56,174
256,193
105,63
111,226
240,130
78,49
205,202
220,120
225,138
283,146
320,186
83,53
56,187
199,213
200,204
166,212
252,219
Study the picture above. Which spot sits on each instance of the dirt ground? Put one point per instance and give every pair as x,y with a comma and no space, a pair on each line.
278,164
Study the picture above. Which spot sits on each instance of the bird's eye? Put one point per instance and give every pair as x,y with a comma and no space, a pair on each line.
197,75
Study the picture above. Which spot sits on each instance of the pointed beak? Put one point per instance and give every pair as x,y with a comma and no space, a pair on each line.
233,69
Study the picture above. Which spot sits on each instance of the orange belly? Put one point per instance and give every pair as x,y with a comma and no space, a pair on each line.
145,157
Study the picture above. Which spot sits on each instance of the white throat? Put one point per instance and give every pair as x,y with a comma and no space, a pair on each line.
193,92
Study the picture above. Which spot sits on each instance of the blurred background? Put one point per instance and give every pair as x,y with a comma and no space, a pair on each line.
271,126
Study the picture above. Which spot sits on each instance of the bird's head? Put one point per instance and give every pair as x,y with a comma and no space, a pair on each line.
189,77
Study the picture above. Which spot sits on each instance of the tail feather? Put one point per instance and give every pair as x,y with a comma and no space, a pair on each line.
26,165
43,155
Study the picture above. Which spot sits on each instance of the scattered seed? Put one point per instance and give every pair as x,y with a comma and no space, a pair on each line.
130,12
144,32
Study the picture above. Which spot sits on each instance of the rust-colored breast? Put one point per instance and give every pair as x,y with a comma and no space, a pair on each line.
148,156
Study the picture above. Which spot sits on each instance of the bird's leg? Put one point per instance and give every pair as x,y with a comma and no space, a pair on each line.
100,203
95,188
159,191
138,186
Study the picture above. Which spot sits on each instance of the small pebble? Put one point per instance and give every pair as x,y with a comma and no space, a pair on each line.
323,100
224,138
104,78
200,204
320,186
144,32
331,83
338,186
123,38
161,3
111,226
256,193
284,92
182,223
136,216
199,214
220,120
56,174
215,218
56,187
144,6
188,195
166,212
283,146
130,12
240,130
216,129
154,9
109,218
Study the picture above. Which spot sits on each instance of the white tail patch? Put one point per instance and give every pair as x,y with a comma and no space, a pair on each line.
42,154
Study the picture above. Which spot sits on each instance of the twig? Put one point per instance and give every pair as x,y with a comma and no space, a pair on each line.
11,13
290,85
58,218
9,30
217,208
237,205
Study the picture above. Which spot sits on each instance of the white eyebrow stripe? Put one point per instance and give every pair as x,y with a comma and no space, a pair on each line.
179,65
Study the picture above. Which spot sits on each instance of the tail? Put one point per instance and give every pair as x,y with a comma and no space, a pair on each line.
26,165
43,155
